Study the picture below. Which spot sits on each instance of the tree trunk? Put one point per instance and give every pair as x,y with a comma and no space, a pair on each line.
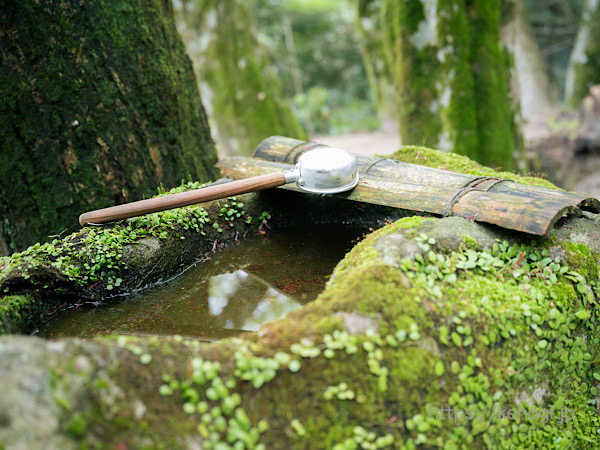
584,64
500,140
531,85
99,106
242,89
376,59
451,74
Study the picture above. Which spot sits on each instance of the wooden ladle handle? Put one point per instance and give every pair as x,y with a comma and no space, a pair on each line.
182,199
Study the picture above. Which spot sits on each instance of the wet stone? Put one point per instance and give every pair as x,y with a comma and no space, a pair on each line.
355,323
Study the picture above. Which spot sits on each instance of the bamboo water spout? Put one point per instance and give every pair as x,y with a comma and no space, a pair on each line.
412,187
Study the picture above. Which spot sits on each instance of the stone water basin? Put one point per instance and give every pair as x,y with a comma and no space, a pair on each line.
230,290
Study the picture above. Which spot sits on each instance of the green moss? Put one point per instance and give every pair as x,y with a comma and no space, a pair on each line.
11,311
493,304
93,254
100,406
471,243
461,164
583,260
363,254
515,318
77,426
405,223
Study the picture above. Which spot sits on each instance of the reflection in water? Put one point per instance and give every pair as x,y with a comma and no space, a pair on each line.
230,293
238,289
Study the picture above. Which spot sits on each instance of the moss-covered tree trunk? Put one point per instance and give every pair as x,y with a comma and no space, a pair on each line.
241,89
584,64
452,76
99,106
499,139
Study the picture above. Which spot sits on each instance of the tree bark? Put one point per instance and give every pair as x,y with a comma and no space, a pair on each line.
242,90
99,106
452,77
584,63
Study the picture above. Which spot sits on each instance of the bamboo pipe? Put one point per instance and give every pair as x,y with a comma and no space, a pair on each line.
531,214
287,150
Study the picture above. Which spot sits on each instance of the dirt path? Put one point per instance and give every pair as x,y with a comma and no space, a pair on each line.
384,142
363,143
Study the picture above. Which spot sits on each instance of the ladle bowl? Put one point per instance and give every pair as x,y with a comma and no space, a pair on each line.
327,171
319,171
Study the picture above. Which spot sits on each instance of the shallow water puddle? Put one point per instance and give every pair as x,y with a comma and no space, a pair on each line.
238,289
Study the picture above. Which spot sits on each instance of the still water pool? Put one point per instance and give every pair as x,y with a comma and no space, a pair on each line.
238,289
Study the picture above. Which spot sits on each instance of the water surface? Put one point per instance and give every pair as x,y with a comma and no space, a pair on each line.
238,289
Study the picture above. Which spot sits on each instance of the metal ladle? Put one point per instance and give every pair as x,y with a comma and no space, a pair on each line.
320,171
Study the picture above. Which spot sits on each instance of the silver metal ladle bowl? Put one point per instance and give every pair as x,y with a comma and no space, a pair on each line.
326,171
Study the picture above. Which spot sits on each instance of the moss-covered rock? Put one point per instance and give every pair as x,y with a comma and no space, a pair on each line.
423,314
99,106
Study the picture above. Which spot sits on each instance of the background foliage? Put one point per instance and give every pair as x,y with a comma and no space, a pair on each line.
323,73
322,70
